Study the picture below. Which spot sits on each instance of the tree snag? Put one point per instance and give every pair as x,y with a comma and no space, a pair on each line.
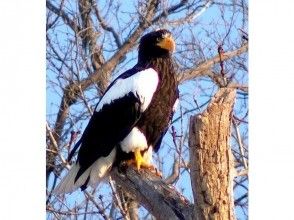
211,159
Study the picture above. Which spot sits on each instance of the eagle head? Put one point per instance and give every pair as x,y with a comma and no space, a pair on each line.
156,44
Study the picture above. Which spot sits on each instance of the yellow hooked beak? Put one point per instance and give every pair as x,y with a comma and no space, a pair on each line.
167,43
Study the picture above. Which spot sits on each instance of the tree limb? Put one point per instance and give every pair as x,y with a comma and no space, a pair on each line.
204,69
175,173
107,27
59,12
161,200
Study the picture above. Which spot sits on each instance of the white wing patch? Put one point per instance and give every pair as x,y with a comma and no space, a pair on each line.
143,83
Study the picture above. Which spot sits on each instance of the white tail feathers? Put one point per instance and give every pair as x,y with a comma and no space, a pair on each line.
97,171
67,183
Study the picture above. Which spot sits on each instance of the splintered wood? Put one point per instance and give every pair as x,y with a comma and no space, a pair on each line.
211,159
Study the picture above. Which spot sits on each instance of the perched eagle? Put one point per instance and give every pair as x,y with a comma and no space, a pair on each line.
131,118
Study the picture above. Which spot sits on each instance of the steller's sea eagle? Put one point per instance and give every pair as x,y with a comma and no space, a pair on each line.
131,118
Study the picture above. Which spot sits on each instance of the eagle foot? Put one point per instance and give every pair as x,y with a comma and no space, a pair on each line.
157,172
139,162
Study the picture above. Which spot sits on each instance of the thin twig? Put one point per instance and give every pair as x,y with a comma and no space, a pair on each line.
240,144
175,173
117,199
242,172
54,144
100,209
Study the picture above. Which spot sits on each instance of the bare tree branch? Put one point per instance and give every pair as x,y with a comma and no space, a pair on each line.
59,12
162,200
107,27
175,173
240,144
204,69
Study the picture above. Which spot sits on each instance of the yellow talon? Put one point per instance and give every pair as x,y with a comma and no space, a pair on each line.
139,161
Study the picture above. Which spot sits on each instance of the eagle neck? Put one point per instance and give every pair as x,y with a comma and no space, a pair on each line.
164,66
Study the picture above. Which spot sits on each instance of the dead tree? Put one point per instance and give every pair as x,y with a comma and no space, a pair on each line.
212,167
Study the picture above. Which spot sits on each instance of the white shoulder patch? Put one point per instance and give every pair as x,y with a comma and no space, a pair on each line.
143,83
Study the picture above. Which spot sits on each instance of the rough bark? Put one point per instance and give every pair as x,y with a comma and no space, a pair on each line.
211,159
160,199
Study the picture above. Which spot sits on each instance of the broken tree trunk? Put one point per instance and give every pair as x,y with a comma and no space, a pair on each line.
211,159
